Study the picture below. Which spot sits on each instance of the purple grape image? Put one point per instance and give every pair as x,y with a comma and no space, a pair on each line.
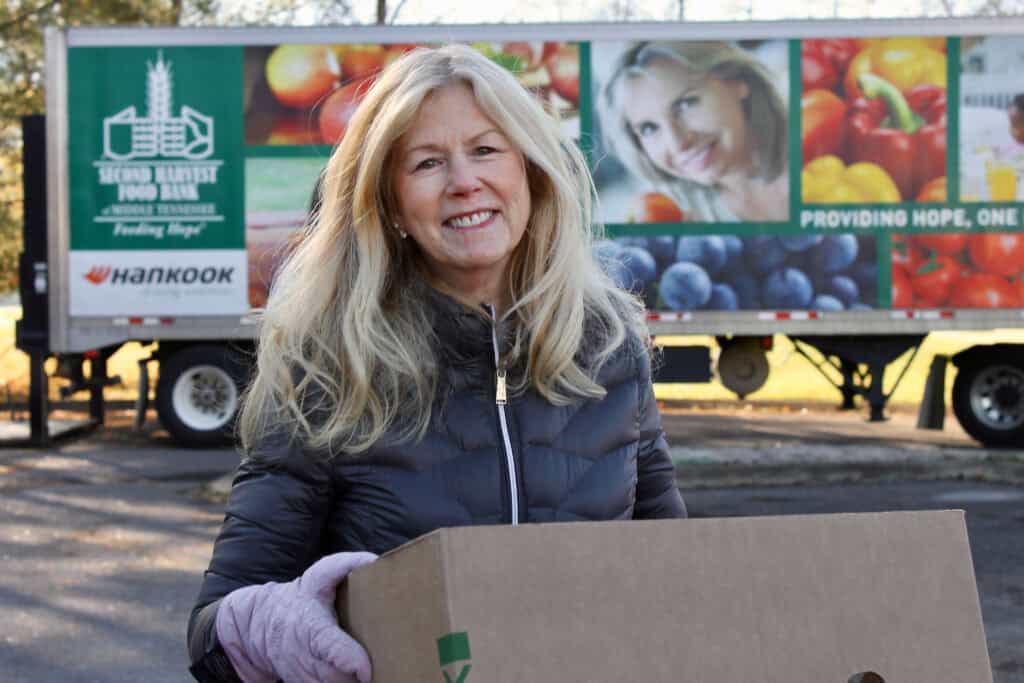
685,286
734,253
824,302
606,250
827,273
837,252
843,288
787,288
707,251
723,298
763,253
639,268
748,291
800,242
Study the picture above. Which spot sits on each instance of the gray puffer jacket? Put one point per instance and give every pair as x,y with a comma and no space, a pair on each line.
480,463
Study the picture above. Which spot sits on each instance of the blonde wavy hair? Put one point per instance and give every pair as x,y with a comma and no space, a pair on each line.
346,353
724,61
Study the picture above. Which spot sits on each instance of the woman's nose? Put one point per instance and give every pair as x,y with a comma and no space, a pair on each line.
681,137
462,177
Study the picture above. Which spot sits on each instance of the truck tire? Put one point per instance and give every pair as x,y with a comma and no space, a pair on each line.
988,401
197,395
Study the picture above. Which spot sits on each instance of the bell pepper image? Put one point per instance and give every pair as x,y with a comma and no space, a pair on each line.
827,180
908,142
904,62
822,123
823,61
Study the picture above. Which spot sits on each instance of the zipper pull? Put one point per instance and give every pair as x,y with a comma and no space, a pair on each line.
500,396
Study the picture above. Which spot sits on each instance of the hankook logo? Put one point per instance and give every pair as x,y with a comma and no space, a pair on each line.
98,274
160,275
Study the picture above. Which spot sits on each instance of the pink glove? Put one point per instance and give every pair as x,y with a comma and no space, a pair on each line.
289,631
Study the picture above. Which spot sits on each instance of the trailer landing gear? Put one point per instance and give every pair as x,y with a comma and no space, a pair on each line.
861,361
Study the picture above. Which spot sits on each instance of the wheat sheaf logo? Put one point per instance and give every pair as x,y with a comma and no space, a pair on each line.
98,274
127,135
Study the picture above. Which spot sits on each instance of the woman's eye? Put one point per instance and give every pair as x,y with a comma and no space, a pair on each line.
484,150
688,102
646,128
427,164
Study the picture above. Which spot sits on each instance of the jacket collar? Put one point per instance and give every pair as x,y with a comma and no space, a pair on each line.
463,332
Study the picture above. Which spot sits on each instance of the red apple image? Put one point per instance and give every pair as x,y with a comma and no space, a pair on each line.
396,50
361,60
563,67
294,128
339,108
299,75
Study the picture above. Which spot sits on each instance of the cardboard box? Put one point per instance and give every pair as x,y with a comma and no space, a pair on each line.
789,599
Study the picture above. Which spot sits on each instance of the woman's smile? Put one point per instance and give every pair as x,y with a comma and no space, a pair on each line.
692,162
471,221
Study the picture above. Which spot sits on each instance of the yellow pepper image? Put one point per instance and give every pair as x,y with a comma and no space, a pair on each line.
904,62
827,180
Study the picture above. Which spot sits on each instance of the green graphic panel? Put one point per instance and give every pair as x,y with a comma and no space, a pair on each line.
453,647
155,148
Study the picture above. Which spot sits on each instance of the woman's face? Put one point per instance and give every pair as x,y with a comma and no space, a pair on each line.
462,192
690,126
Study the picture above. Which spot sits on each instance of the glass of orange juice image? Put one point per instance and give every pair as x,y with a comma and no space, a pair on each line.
1002,180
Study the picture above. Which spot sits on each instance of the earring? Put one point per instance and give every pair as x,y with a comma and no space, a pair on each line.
401,232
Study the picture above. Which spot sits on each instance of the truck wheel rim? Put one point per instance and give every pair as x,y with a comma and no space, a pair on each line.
205,398
997,397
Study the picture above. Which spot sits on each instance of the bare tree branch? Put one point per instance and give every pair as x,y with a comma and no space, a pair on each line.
395,12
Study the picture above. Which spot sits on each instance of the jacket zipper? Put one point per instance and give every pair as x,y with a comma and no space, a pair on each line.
500,399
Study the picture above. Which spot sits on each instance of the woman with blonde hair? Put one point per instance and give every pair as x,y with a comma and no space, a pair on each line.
440,350
702,122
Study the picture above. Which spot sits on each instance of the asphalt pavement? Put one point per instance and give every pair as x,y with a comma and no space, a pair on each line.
104,538
757,444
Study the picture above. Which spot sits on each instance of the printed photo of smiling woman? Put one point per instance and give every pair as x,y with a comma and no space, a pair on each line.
702,122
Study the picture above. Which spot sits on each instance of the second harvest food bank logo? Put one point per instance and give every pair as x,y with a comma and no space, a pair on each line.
156,180
127,136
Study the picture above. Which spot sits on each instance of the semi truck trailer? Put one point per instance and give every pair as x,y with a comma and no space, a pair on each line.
852,185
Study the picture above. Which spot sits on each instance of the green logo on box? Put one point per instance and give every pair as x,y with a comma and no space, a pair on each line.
453,650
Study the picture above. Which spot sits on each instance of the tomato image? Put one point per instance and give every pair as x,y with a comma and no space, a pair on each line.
997,253
655,207
902,294
1018,288
943,243
905,253
933,281
984,290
